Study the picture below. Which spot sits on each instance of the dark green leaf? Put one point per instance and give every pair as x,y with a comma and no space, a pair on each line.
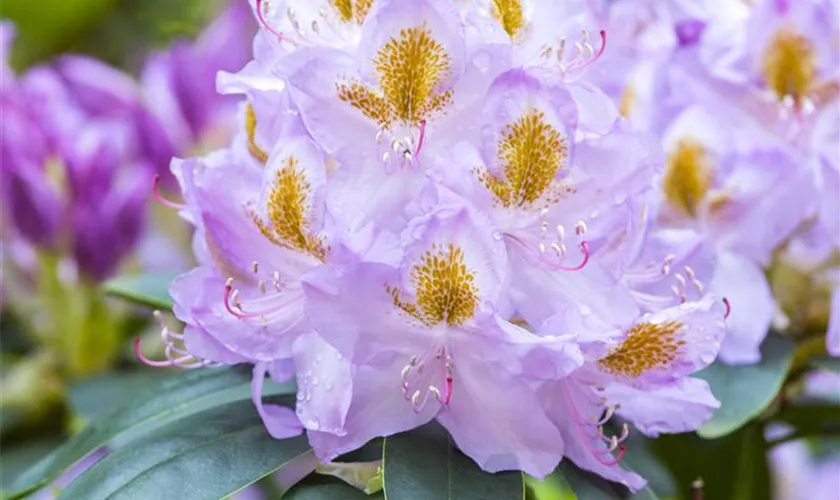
317,487
745,391
17,458
828,363
208,455
94,397
589,486
423,464
809,420
150,407
148,289
733,467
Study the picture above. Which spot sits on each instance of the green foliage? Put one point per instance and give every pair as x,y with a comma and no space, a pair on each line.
733,467
117,31
148,289
318,487
424,464
208,455
151,407
745,391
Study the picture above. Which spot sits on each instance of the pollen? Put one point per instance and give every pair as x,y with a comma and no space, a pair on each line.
531,153
687,177
410,70
647,347
352,10
287,225
789,65
445,288
509,15
251,132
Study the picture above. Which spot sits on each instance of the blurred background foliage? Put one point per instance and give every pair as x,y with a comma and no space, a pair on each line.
119,32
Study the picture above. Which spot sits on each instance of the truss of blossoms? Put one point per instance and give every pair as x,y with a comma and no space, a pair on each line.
433,212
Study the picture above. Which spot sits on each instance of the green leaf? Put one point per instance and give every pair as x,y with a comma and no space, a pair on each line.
733,467
147,289
208,455
745,391
94,397
828,363
151,407
16,458
589,486
423,464
317,487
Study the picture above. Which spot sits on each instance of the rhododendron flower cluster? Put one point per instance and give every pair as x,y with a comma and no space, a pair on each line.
745,101
431,211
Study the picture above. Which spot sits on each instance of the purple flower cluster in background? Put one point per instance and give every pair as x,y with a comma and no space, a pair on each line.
81,142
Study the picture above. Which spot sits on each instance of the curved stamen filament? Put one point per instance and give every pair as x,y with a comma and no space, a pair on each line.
163,201
413,376
422,138
231,301
590,441
579,63
262,5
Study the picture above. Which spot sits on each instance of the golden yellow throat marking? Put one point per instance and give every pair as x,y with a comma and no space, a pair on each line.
288,225
352,10
789,65
532,152
646,347
410,69
509,15
688,176
251,132
444,287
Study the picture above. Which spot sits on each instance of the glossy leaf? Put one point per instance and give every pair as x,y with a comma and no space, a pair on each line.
150,407
318,487
745,391
148,289
16,458
208,455
95,397
424,464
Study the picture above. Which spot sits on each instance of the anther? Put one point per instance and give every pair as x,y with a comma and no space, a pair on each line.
255,267
728,308
580,228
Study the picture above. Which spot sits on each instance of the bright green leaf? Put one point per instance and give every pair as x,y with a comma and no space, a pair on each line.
148,408
148,289
423,464
745,391
208,455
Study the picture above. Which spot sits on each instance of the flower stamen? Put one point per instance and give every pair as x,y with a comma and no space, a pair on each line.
163,201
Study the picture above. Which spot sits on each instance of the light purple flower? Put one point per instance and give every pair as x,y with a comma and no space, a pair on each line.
426,214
